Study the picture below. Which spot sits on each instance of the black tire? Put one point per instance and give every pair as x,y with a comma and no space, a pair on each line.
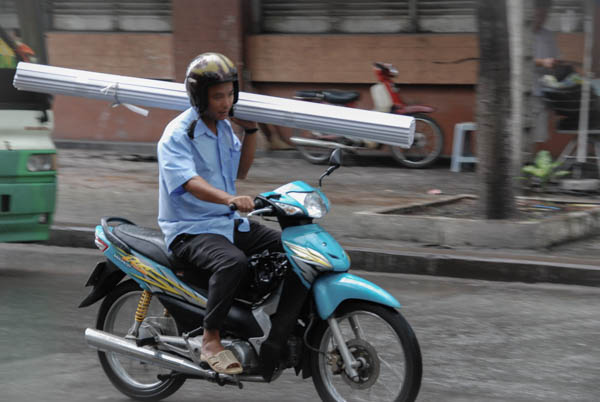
427,146
109,361
322,369
315,155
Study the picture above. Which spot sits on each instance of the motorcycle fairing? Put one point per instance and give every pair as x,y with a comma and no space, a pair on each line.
332,289
148,274
312,250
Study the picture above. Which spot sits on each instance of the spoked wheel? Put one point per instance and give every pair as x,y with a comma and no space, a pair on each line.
383,344
132,377
314,154
427,145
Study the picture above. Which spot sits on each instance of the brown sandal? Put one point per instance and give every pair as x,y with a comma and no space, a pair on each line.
223,362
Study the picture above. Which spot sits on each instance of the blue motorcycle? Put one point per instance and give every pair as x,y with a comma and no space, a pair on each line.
302,310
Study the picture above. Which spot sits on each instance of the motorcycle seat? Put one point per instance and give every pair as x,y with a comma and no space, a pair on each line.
341,97
148,242
333,96
312,95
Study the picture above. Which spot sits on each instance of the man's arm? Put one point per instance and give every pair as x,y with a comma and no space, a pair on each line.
248,147
202,190
247,156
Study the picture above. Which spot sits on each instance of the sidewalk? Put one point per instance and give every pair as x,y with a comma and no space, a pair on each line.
122,180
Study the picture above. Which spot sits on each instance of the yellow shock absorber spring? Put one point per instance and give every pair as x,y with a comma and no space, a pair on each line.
142,308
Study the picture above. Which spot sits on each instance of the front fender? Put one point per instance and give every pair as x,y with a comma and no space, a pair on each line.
331,290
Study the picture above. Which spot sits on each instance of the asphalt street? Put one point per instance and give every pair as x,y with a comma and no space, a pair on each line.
481,341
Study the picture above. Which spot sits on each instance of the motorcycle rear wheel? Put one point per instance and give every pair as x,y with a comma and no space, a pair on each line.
313,154
385,344
134,378
427,145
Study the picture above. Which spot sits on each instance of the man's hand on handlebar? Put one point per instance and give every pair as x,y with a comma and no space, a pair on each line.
243,203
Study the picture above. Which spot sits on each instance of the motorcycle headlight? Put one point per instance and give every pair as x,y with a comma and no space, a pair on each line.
41,162
315,205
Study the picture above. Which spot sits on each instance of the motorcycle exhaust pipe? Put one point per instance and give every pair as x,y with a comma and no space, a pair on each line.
322,144
111,343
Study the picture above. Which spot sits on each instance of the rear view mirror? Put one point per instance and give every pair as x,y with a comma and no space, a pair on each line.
335,161
336,158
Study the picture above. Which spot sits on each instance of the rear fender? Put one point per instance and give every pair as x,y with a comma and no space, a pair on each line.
105,277
412,109
331,290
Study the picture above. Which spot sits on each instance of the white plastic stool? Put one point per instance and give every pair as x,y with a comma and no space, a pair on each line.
458,145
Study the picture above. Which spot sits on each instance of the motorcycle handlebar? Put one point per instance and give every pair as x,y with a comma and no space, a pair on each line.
258,203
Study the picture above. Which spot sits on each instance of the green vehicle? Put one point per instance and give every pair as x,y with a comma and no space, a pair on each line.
27,153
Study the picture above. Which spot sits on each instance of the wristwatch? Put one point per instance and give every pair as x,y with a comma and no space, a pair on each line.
250,130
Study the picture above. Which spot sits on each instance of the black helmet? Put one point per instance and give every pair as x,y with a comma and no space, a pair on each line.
205,70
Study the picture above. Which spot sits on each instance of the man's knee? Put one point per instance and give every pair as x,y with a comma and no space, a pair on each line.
230,274
235,264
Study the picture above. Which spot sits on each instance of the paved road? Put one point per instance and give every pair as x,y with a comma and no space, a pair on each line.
481,341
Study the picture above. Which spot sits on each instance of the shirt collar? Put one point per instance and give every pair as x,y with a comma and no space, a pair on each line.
202,129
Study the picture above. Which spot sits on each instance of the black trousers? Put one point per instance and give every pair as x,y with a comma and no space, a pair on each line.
226,263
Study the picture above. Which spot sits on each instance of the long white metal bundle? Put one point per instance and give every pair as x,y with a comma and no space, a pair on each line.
380,127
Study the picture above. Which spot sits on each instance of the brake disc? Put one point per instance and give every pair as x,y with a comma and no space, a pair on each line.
368,371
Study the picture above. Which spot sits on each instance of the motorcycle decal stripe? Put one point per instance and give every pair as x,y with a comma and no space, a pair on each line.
173,286
152,276
308,255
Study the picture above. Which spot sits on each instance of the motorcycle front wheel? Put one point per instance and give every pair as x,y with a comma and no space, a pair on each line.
384,344
427,145
134,378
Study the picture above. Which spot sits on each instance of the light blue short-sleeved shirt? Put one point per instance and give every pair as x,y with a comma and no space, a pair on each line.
215,158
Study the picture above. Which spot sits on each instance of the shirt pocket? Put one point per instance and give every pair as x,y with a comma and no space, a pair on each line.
232,156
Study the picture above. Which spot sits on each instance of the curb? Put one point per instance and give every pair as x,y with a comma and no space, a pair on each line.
148,149
476,267
426,262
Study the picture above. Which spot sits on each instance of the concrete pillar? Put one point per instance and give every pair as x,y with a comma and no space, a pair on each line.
596,46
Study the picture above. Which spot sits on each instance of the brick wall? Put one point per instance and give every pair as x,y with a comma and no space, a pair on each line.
282,64
206,26
277,65
131,54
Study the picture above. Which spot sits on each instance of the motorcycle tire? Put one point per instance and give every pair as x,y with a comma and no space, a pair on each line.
378,337
314,155
427,145
133,378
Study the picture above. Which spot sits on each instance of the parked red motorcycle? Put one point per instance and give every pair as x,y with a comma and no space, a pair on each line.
428,141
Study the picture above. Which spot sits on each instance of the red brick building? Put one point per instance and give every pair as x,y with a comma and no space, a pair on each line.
280,46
